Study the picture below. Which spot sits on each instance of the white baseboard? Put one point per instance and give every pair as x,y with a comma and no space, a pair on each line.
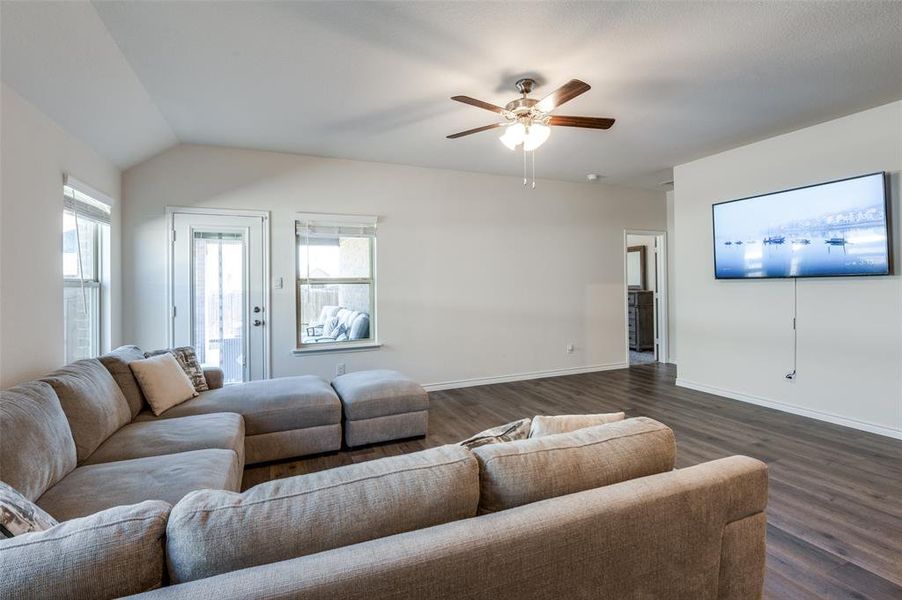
463,383
790,408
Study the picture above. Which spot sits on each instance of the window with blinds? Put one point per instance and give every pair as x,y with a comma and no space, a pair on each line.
336,280
86,233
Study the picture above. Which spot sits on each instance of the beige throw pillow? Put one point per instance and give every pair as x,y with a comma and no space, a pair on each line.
163,382
542,425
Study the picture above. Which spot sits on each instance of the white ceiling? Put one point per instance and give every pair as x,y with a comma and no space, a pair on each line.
372,80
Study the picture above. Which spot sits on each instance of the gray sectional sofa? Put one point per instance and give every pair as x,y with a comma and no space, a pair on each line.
82,439
598,512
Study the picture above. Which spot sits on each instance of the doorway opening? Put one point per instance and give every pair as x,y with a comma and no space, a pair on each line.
646,296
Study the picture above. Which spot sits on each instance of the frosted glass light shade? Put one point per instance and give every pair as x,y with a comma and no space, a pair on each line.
513,135
535,136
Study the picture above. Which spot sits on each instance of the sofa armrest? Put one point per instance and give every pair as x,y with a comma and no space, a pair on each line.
214,377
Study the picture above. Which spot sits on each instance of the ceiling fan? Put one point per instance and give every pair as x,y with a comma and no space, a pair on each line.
527,120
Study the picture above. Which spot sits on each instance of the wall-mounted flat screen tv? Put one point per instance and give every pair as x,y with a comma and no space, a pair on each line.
833,229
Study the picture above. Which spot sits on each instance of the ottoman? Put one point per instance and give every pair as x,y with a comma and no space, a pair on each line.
381,405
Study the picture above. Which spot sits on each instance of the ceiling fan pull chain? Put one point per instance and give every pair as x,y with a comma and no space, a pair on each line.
533,169
524,166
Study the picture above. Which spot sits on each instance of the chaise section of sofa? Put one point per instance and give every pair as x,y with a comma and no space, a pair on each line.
283,418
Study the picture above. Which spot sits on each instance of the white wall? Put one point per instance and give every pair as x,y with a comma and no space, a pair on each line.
735,337
33,156
671,280
477,276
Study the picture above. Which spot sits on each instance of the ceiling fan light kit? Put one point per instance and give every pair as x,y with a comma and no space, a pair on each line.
527,121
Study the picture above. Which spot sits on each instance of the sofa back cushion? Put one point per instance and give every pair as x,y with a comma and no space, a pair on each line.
212,532
525,471
116,362
36,445
113,553
93,403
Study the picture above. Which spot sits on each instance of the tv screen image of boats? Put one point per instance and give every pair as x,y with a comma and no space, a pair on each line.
832,229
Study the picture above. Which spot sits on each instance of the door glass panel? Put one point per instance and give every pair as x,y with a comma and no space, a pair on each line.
219,302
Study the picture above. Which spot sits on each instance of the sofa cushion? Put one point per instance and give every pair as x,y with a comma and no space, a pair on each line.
93,403
170,436
267,406
36,445
20,515
379,392
550,425
534,469
116,362
110,554
163,381
92,488
212,532
187,360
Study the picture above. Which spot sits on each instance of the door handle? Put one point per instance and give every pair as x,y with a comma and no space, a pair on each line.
257,322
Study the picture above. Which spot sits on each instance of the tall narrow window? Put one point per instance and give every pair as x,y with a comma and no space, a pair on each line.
336,281
86,243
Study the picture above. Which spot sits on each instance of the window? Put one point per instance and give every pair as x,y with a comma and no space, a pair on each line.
336,284
86,243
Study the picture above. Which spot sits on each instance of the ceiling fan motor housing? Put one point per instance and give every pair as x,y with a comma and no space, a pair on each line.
525,85
521,105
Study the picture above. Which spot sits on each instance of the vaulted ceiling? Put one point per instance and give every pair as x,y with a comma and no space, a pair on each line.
372,80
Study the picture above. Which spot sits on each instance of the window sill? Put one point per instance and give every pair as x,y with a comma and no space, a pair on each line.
339,347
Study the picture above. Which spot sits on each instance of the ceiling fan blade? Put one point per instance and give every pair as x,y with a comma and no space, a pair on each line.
587,122
454,136
565,93
479,104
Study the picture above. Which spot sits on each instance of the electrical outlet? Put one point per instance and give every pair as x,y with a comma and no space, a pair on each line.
340,369
569,348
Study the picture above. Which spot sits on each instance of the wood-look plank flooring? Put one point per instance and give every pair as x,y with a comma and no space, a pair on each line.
835,508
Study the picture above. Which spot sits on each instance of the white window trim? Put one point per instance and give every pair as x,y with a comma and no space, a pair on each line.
374,342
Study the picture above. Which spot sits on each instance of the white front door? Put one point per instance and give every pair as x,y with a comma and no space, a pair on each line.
218,300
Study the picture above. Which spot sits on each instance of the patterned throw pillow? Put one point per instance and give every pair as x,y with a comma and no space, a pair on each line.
187,360
20,515
518,430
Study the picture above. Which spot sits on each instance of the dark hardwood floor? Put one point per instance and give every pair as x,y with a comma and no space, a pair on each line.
835,508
